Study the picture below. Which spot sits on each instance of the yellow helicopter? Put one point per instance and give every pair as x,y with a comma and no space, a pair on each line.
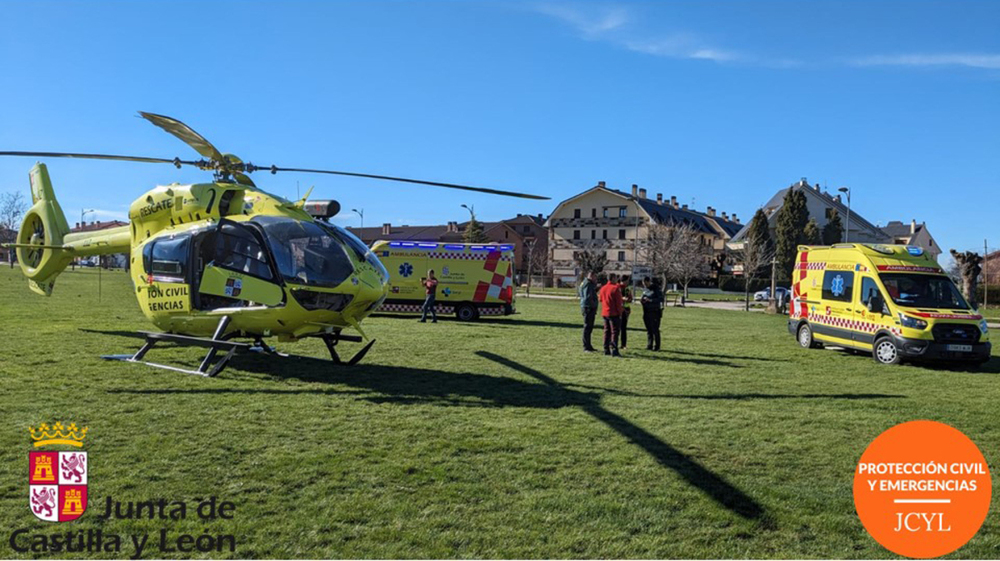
212,262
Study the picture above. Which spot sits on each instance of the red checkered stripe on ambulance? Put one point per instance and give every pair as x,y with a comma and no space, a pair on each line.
799,308
852,324
414,308
500,286
481,256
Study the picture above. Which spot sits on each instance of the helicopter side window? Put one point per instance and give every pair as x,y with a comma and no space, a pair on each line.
237,249
167,257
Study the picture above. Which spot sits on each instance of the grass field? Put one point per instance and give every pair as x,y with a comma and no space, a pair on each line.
494,439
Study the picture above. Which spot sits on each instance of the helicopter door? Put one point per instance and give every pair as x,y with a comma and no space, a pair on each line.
237,270
165,261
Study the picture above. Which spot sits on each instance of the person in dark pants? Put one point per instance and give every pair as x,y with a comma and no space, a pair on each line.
587,291
652,312
626,288
610,296
430,300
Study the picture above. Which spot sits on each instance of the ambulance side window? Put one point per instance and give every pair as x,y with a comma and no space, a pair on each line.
838,285
869,289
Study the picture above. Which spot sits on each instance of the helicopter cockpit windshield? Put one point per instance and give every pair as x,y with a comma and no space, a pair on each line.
304,252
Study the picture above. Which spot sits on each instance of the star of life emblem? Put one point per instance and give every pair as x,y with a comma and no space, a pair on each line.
57,485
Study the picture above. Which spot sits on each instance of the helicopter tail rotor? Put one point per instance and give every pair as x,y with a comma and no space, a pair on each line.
40,250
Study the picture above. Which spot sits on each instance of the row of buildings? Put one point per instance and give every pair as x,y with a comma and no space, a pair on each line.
619,222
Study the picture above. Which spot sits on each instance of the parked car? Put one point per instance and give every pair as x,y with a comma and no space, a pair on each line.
765,294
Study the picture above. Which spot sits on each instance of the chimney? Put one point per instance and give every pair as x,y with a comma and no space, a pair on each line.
539,215
725,216
600,184
817,187
386,229
78,225
736,220
685,207
635,190
673,201
837,198
711,211
659,198
913,226
642,193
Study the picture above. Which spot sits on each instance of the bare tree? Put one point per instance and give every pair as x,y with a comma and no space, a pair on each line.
690,257
969,265
536,259
12,208
655,250
756,257
592,257
677,252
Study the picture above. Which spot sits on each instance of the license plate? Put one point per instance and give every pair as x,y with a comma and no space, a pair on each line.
960,348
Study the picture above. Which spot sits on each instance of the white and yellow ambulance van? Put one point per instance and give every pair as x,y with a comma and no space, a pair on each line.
893,301
473,279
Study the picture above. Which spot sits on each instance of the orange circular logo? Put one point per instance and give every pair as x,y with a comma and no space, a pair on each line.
922,489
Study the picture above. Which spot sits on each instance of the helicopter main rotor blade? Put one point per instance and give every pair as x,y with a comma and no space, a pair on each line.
274,169
186,134
175,161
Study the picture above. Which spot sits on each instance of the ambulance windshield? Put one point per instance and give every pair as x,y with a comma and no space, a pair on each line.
923,291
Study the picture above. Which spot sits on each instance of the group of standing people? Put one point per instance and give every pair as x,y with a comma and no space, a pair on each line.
615,297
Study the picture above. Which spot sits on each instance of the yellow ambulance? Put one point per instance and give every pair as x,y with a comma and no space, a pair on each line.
473,279
893,301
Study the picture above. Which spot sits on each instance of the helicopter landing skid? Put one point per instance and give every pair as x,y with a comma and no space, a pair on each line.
206,368
331,340
214,344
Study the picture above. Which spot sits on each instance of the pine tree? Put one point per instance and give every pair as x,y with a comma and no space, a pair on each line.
760,232
474,232
789,232
811,233
833,232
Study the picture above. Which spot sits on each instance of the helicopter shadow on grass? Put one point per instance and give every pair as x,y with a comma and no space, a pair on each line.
414,386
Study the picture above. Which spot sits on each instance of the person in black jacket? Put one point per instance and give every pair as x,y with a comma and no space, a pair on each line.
652,312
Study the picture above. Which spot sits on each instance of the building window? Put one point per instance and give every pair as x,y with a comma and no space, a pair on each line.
527,229
621,234
506,234
621,255
593,213
576,234
593,234
622,212
829,213
604,234
576,213
605,212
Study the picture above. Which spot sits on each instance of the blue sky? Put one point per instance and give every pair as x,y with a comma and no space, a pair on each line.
717,103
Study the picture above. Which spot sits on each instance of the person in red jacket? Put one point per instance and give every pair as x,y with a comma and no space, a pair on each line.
612,305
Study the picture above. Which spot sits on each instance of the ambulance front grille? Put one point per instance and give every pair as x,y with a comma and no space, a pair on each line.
955,333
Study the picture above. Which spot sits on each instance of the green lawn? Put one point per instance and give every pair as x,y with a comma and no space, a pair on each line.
491,439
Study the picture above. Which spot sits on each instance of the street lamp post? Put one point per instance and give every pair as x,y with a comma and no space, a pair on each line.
847,230
83,213
471,209
360,213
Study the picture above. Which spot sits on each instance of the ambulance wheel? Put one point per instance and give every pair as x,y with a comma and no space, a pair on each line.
885,351
806,337
467,312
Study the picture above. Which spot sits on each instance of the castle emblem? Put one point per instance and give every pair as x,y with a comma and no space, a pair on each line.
57,480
